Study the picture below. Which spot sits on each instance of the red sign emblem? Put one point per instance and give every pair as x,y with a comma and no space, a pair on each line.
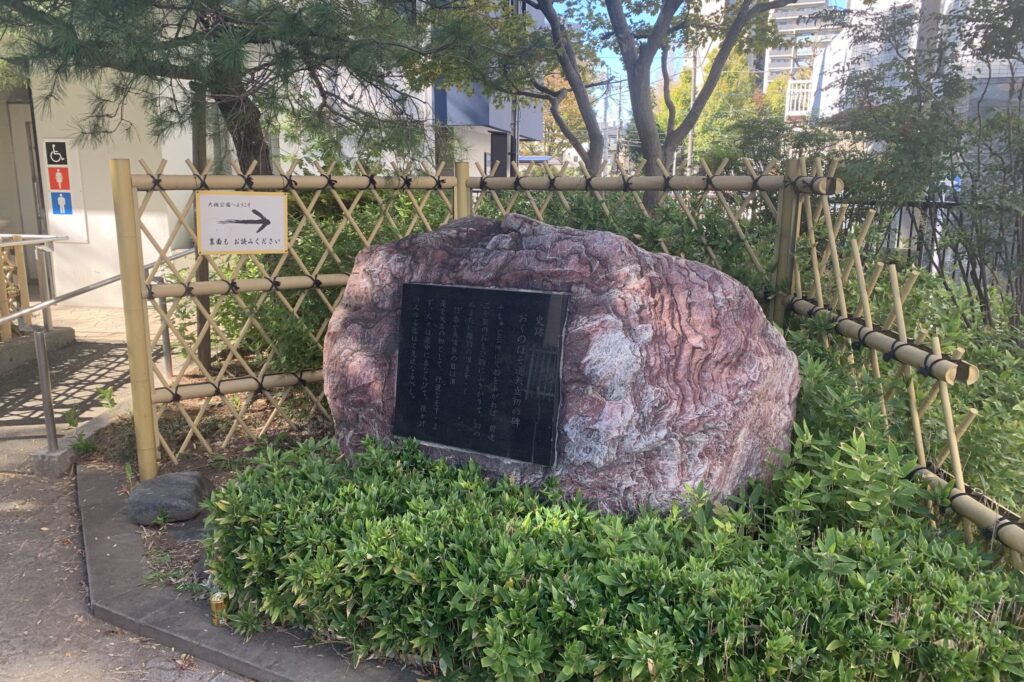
59,178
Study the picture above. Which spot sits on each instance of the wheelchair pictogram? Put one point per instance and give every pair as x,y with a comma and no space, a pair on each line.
56,153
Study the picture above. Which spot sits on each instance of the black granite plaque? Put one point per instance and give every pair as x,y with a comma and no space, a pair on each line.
480,369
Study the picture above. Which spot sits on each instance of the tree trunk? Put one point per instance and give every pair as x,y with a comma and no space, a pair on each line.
242,117
566,54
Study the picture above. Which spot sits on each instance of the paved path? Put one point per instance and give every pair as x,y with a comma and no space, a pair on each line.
98,359
46,632
77,373
105,325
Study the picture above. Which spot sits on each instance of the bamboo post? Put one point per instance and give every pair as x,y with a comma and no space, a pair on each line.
129,251
833,251
933,392
901,329
6,330
903,293
785,243
22,275
872,282
463,202
954,444
961,429
865,303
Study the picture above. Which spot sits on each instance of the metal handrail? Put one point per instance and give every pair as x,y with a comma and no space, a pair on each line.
8,240
42,305
39,334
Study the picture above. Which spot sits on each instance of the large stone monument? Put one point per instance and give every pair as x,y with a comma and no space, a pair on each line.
540,350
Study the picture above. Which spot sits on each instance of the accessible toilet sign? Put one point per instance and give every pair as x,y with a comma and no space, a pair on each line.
242,222
65,214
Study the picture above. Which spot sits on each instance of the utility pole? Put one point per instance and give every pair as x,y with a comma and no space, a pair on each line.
693,96
618,130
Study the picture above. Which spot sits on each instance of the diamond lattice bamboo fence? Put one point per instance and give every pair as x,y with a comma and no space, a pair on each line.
266,315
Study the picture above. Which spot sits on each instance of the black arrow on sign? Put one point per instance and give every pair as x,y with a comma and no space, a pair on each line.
262,222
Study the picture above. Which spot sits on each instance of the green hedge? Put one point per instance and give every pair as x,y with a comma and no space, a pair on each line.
830,573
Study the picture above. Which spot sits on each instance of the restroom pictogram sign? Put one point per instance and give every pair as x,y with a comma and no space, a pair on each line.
59,178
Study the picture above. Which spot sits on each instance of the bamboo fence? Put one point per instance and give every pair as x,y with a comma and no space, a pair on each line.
14,279
809,251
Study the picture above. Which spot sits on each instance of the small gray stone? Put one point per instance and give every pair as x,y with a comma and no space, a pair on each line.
176,496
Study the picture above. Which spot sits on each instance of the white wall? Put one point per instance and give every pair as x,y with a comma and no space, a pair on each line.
76,265
10,199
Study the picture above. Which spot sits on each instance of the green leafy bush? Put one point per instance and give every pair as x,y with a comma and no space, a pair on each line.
829,573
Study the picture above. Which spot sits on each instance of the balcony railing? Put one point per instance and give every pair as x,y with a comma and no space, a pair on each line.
799,99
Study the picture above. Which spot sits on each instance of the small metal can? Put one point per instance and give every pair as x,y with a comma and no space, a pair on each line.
218,608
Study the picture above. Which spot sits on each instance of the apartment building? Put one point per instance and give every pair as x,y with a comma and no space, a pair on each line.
807,34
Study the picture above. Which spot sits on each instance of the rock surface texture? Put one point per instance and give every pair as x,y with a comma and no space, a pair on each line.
175,496
671,374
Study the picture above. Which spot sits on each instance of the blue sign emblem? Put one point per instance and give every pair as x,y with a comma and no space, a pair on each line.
60,203
958,183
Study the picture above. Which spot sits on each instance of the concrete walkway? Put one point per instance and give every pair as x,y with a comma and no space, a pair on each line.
46,632
77,373
102,325
98,360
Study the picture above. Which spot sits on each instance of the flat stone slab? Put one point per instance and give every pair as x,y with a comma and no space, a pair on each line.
116,573
168,497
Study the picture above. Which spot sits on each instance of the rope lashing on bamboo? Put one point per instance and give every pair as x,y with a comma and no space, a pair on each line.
208,389
896,345
1001,522
233,286
974,492
912,474
1010,533
862,334
944,368
816,185
280,182
153,291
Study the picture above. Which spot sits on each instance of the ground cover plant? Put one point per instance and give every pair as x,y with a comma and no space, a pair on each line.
828,574
831,571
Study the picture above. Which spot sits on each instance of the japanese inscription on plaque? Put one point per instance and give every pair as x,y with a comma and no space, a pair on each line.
479,369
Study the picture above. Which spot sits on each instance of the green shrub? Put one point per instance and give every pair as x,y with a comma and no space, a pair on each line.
829,573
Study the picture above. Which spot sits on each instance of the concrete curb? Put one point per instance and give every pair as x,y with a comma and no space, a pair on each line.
58,464
116,572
